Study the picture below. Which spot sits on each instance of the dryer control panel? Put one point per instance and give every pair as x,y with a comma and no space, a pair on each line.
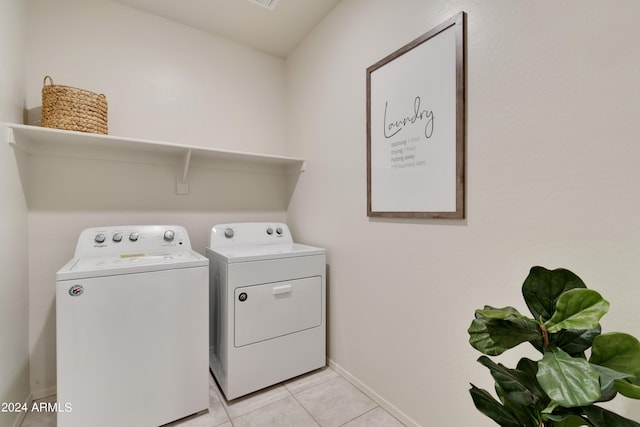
249,233
132,240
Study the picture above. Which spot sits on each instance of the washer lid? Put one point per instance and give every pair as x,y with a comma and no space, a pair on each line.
87,267
232,254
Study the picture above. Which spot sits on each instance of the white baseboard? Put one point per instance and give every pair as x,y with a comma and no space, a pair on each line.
39,394
386,405
22,414
401,416
43,392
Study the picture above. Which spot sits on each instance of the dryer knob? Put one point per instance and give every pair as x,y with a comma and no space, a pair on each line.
228,233
279,231
133,236
269,231
169,235
117,237
99,238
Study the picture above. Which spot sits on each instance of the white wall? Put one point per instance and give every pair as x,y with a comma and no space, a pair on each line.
552,102
165,82
14,319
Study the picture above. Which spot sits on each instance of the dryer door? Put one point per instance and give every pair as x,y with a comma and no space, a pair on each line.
275,309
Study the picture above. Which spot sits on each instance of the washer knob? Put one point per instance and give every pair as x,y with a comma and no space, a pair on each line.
133,236
117,237
269,231
279,231
228,233
169,235
99,238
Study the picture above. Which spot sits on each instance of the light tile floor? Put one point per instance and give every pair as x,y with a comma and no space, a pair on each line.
321,398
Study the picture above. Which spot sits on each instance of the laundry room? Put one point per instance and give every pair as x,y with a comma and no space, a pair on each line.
552,94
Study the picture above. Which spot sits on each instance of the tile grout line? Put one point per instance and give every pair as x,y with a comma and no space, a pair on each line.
390,409
258,409
289,394
325,380
316,384
221,397
330,379
361,415
305,409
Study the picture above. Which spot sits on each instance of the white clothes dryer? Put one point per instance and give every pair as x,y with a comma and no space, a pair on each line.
132,328
267,306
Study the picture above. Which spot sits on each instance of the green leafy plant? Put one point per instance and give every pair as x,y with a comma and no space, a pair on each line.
579,366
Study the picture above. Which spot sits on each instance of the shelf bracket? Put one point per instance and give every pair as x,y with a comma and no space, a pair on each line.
182,183
11,139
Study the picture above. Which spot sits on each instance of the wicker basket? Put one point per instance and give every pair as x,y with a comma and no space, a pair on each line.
70,108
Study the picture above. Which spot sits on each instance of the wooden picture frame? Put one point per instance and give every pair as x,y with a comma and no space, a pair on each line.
416,127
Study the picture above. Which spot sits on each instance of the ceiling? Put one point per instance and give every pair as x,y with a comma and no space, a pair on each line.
276,32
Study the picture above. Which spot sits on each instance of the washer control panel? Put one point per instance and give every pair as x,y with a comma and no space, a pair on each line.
249,233
132,240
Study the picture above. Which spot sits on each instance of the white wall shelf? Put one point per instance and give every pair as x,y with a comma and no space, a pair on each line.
39,140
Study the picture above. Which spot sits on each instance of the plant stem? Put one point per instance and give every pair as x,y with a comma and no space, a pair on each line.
545,335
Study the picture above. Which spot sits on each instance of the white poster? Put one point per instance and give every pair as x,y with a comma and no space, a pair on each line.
414,138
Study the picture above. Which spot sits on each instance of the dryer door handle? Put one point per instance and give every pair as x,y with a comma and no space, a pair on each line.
279,290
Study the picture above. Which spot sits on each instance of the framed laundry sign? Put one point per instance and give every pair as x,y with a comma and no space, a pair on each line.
416,127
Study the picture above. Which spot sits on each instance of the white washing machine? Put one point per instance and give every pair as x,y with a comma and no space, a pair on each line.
267,306
132,328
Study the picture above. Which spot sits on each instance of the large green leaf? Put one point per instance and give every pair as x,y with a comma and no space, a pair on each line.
607,394
600,417
518,386
570,421
530,368
574,421
628,389
569,381
526,415
608,376
494,336
575,341
493,409
577,309
617,351
504,313
542,288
